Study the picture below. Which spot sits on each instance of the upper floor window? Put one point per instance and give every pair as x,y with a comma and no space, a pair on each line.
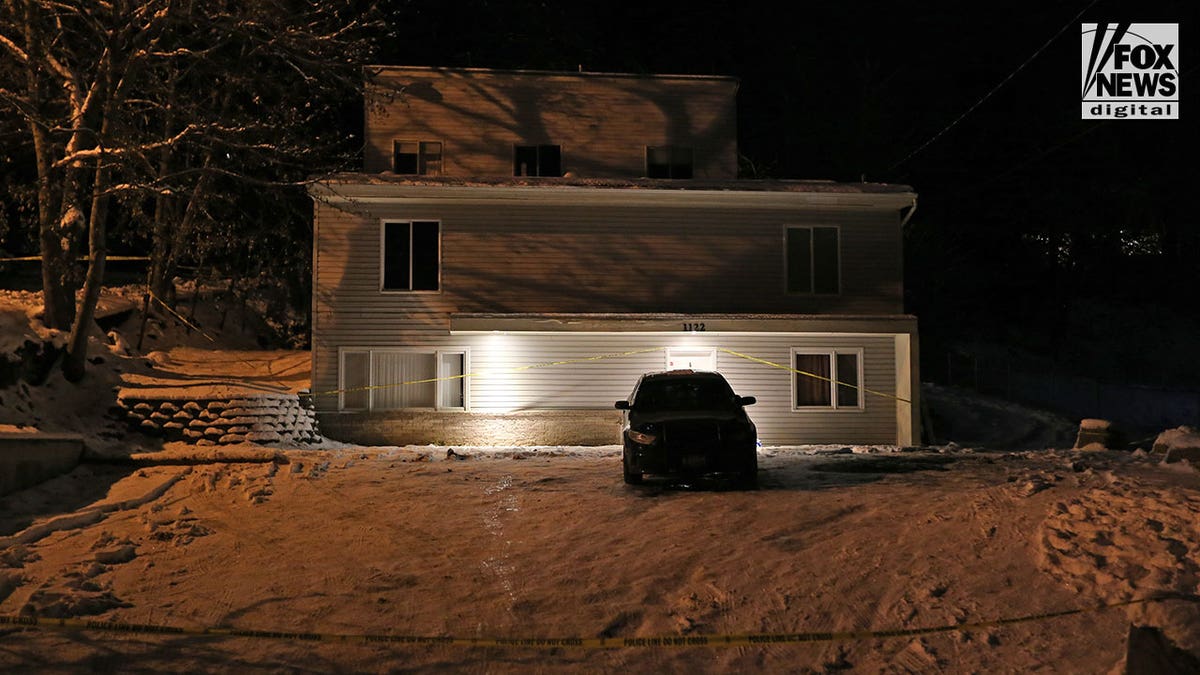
668,161
813,260
537,160
422,158
411,256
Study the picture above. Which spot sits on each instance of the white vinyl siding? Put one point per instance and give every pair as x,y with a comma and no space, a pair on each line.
542,259
504,382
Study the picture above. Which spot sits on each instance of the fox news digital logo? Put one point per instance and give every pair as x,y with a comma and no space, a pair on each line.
1131,71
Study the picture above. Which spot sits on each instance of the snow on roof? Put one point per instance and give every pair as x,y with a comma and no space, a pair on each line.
390,70
738,185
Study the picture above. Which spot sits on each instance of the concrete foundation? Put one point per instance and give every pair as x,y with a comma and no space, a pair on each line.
537,427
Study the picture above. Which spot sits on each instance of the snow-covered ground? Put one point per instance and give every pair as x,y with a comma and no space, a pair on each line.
549,543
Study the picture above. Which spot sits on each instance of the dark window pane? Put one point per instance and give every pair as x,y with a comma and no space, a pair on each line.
549,160
525,159
847,377
799,260
681,163
825,259
395,256
405,157
426,257
668,161
658,162
813,391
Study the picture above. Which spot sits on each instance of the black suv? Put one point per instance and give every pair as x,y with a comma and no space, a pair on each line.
688,423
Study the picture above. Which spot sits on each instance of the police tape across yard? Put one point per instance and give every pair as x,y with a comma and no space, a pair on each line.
548,364
601,357
731,640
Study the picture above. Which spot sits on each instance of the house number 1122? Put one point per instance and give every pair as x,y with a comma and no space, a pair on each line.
693,327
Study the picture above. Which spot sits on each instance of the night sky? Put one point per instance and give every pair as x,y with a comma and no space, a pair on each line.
1030,218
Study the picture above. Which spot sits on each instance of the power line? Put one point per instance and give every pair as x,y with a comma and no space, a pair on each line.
1044,152
994,89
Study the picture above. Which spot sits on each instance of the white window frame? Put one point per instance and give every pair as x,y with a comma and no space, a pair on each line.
341,377
383,223
436,352
832,353
812,268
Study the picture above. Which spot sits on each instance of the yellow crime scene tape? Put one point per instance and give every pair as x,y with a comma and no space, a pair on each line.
199,330
179,316
599,357
812,375
730,640
546,364
112,258
517,369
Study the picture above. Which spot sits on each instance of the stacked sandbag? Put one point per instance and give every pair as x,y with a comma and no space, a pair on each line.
241,418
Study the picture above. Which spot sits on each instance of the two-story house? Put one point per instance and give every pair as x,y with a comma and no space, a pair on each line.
522,245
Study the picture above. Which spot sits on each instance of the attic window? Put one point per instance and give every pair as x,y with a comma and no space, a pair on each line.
537,160
668,161
422,158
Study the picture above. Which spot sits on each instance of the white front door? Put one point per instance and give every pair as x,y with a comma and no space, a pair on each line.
691,359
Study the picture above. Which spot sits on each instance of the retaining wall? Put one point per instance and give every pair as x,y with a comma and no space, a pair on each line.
221,417
27,459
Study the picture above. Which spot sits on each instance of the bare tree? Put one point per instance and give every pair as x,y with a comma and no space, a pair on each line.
157,100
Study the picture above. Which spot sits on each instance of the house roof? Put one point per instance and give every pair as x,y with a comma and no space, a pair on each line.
380,70
671,322
356,188
739,185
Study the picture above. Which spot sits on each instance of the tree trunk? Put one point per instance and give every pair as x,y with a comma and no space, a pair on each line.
55,248
161,272
57,288
73,364
162,266
173,233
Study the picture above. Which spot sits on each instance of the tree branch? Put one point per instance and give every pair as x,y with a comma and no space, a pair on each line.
90,153
14,49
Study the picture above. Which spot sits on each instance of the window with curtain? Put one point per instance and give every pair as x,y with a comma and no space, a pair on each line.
391,379
827,379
